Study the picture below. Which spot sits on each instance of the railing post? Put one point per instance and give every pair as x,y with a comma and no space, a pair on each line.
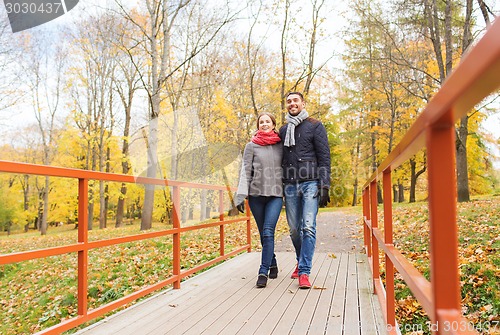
83,200
366,214
374,224
177,236
442,218
222,236
388,239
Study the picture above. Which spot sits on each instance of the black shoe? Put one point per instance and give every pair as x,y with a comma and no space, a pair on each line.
261,281
273,272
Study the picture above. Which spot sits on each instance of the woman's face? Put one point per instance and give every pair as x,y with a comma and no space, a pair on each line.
265,123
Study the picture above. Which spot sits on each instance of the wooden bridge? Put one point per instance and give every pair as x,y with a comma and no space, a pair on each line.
223,299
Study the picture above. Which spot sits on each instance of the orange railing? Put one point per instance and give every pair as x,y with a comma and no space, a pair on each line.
477,76
84,245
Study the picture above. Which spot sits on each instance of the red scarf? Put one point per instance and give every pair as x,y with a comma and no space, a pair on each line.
265,138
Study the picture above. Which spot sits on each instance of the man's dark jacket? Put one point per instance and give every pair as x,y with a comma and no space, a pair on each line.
309,158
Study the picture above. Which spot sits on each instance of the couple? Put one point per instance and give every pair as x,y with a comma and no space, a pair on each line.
294,164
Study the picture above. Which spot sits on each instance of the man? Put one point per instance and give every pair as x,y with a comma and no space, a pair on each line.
306,179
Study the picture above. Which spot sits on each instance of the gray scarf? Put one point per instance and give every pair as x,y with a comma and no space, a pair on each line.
293,121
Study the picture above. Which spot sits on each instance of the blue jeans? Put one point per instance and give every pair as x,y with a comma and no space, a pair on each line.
266,211
301,201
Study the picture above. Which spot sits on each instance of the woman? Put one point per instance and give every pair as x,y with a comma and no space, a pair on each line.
260,180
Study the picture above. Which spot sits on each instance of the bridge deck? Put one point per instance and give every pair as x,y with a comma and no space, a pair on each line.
224,300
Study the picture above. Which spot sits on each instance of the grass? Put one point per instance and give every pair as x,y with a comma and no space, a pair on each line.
479,262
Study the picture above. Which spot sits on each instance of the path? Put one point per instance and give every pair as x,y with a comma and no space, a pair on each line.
336,232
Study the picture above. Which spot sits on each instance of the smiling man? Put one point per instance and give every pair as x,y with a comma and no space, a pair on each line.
306,178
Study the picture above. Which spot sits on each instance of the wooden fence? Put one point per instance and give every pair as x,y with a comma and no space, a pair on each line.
83,246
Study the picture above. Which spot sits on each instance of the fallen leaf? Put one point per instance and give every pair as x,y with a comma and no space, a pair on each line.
319,287
332,255
290,291
173,305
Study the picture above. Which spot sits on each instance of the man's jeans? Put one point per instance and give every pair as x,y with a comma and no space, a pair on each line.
301,201
266,211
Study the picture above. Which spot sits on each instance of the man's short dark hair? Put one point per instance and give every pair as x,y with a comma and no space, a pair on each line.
298,93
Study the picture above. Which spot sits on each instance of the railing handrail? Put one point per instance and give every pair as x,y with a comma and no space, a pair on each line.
56,171
474,79
83,246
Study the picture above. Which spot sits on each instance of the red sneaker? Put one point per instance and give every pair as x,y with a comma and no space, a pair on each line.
304,281
295,273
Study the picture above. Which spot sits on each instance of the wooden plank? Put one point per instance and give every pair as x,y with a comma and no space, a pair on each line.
131,319
351,319
212,323
309,308
220,304
190,312
287,320
368,324
323,307
335,322
372,320
246,307
288,288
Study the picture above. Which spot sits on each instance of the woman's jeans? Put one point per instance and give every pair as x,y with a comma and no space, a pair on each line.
266,211
301,202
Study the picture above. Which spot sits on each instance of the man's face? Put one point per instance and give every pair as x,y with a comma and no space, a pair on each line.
294,104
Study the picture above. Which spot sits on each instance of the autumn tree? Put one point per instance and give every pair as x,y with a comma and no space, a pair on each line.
126,84
166,59
92,91
44,68
449,28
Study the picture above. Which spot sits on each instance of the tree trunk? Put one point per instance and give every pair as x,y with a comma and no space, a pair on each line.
120,207
462,168
414,176
380,198
203,205
106,190
413,179
355,192
90,219
184,215
147,209
283,61
401,193
102,205
45,213
463,129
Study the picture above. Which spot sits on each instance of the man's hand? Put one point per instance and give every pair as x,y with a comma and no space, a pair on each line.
324,197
